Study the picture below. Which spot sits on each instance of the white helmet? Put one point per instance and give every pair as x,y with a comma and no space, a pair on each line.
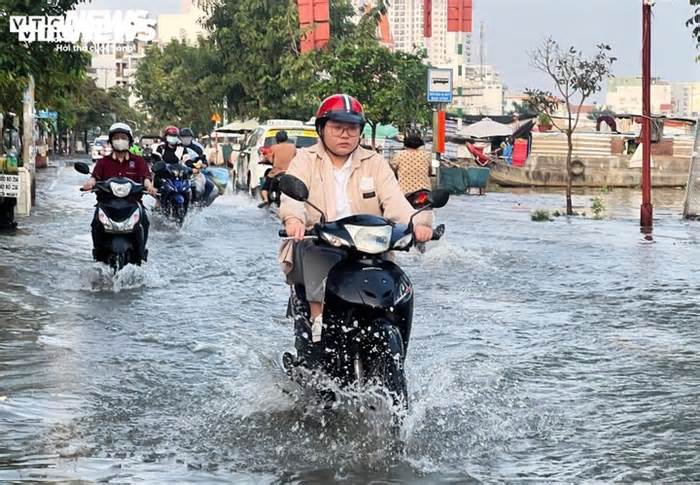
121,128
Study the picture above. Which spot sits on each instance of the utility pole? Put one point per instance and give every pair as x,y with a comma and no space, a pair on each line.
646,213
481,50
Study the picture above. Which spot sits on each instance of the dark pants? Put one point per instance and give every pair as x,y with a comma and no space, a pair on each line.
312,263
7,212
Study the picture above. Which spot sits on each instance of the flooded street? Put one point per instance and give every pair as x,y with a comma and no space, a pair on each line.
561,351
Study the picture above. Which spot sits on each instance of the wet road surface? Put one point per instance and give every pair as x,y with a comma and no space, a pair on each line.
550,351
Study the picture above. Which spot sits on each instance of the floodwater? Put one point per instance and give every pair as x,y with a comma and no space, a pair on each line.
552,351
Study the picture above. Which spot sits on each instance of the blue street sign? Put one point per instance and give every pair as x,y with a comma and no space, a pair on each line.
439,85
51,115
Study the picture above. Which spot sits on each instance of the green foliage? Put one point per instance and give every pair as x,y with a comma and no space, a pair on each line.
598,207
389,84
540,215
256,41
270,78
180,84
523,109
544,119
575,77
53,71
694,23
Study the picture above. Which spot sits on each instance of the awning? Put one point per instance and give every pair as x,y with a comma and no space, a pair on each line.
238,126
383,131
486,128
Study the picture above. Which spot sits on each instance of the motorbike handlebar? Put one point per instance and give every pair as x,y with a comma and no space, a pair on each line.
283,233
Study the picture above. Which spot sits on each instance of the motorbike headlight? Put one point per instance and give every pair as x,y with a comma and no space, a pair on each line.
120,190
104,220
404,242
370,239
335,240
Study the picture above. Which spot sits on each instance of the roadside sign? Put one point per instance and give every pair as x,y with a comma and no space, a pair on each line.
439,85
52,115
9,185
216,118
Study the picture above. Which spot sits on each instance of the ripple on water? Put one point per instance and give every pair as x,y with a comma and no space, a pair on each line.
549,352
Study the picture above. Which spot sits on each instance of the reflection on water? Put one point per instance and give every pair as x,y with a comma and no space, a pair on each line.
561,351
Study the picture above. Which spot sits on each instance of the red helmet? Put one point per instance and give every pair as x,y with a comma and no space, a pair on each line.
341,108
171,130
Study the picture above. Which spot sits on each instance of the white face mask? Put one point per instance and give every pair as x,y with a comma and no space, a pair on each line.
172,140
120,145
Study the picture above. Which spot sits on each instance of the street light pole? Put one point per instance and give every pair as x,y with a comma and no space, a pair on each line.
646,213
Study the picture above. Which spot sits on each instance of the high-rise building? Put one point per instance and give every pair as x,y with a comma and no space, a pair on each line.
477,88
685,98
624,96
184,26
115,65
406,22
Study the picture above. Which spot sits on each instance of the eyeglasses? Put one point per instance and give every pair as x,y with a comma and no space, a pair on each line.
338,130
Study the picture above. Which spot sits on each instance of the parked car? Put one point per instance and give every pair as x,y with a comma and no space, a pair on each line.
249,172
100,148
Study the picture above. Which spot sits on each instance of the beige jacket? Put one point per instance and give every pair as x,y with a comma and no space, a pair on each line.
372,189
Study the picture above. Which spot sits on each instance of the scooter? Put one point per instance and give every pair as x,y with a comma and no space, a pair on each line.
120,215
175,192
368,306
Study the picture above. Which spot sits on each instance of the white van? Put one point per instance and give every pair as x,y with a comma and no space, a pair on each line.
249,172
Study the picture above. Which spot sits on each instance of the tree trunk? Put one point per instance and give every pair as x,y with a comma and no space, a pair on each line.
569,154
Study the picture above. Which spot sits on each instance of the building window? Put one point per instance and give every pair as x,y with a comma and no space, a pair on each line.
459,49
459,70
459,91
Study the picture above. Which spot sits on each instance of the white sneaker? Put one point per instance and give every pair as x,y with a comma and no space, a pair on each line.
317,329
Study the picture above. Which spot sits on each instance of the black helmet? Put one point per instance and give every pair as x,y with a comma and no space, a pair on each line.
281,136
413,138
186,132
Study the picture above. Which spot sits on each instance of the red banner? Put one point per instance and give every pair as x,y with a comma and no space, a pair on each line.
313,19
427,18
439,135
459,16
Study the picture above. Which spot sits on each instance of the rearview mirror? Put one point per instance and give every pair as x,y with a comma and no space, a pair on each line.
293,187
82,167
419,198
158,166
439,198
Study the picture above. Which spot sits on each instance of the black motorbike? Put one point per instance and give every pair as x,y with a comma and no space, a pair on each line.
119,214
368,306
273,192
175,189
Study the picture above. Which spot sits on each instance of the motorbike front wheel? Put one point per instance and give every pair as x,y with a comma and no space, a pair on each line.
118,261
179,213
385,368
